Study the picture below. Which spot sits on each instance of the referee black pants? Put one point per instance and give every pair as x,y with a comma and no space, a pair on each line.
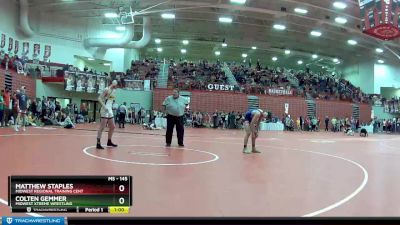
171,122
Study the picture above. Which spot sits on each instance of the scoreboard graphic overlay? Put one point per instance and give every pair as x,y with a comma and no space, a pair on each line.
70,194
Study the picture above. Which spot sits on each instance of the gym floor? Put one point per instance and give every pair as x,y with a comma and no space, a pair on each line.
297,174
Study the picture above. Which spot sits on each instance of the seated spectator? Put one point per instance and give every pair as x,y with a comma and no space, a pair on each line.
67,124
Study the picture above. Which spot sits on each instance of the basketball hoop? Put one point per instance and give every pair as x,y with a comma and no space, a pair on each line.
126,16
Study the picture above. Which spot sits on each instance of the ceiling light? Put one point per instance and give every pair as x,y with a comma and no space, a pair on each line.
301,11
340,20
107,64
238,1
159,49
314,56
244,55
120,28
274,58
335,60
379,50
111,15
315,33
168,16
185,42
279,27
224,44
183,51
381,61
254,47
352,42
340,5
217,53
225,20
299,62
287,52
157,40
90,59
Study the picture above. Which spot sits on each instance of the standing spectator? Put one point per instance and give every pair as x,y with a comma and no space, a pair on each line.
114,109
7,106
301,123
1,108
38,108
44,107
384,125
326,123
298,124
33,108
143,114
122,114
22,108
84,111
75,110
175,108
334,121
139,116
133,120
215,119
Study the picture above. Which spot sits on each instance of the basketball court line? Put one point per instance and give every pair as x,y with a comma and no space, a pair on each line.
128,132
312,214
148,154
336,204
216,157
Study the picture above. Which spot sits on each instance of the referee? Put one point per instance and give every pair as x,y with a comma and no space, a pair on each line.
174,106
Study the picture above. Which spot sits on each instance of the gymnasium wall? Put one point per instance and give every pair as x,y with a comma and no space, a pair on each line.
390,92
65,34
386,75
276,105
18,81
360,74
144,98
206,101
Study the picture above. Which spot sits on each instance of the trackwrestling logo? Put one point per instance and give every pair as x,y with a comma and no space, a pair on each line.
33,221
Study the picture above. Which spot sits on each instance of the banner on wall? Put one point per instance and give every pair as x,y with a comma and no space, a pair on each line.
278,91
91,83
69,81
101,84
25,50
16,47
36,50
47,51
134,85
147,85
3,41
220,87
81,82
287,108
10,44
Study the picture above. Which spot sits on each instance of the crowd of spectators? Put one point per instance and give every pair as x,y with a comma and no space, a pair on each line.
195,76
328,87
257,80
45,111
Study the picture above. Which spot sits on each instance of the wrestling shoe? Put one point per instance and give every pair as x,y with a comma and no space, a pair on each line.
110,144
99,147
256,151
246,151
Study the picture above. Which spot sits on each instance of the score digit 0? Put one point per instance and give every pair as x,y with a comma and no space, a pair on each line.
121,201
121,188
